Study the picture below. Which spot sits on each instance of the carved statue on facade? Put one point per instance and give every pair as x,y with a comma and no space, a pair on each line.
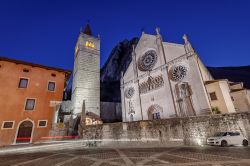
184,93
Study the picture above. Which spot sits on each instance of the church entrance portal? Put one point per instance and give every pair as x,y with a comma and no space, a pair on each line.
24,132
154,112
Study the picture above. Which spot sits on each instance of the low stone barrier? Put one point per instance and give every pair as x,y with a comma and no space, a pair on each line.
165,132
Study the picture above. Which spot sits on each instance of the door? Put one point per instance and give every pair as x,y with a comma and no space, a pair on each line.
232,137
24,132
236,138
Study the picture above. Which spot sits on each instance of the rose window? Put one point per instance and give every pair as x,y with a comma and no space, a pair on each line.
147,61
129,92
178,72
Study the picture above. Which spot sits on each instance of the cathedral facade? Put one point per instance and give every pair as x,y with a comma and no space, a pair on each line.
164,80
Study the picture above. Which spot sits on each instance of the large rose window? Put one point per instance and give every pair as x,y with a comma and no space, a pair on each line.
177,73
147,61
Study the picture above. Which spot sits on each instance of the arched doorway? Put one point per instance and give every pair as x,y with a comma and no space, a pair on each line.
155,112
24,133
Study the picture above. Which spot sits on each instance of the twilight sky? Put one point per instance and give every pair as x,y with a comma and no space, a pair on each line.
45,31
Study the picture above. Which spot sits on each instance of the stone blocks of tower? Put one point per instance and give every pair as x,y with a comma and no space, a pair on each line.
86,76
91,98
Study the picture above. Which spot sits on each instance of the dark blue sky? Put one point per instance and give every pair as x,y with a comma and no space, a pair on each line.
45,31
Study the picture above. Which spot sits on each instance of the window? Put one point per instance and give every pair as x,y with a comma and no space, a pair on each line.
23,83
51,86
26,70
156,115
213,96
42,123
89,44
53,75
234,133
8,125
30,104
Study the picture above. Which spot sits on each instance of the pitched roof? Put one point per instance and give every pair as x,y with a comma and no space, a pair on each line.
67,72
87,30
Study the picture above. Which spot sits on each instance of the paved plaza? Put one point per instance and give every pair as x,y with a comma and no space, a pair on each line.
172,156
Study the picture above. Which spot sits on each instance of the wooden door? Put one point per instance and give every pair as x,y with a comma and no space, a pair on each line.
24,132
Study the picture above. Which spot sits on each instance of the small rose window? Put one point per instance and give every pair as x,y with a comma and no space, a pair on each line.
177,73
129,92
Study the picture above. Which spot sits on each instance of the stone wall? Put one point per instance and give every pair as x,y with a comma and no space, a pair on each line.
167,132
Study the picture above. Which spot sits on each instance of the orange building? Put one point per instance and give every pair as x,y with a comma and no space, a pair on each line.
27,92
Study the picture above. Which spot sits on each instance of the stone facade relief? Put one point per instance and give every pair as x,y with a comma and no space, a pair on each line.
129,93
184,93
151,84
131,109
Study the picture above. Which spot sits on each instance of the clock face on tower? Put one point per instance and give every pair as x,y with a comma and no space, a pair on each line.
147,61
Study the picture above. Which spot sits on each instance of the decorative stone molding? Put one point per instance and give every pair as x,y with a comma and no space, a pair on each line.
167,65
129,92
131,108
180,59
151,84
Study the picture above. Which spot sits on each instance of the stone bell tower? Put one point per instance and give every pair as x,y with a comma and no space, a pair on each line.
86,76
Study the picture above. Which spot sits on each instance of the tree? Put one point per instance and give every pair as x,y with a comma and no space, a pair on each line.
216,110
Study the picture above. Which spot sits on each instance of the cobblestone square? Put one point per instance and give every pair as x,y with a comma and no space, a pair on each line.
173,156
